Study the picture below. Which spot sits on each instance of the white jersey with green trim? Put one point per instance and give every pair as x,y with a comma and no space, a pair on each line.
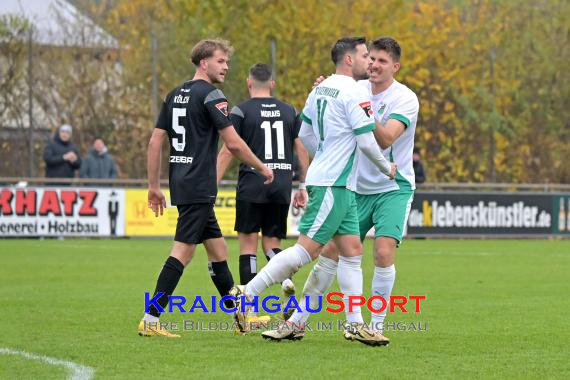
337,110
400,103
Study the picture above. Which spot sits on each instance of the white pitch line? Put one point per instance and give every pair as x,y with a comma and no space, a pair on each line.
78,371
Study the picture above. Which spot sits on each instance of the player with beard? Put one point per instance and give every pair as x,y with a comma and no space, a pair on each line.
337,122
382,204
192,117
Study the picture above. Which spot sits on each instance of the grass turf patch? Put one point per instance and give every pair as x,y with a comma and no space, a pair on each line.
493,309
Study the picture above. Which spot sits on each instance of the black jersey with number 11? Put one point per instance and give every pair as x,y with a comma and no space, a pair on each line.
269,126
192,114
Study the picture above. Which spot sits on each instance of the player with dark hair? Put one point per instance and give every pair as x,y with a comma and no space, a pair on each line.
381,203
270,128
337,122
192,116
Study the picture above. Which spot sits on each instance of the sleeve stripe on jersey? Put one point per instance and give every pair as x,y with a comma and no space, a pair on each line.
214,95
237,111
364,129
401,118
306,119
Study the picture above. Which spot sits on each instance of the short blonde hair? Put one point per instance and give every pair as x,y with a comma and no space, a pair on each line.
206,48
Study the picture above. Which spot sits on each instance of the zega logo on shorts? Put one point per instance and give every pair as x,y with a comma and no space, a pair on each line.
367,108
223,108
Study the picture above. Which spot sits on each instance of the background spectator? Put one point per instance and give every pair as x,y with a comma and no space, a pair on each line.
98,163
418,167
61,156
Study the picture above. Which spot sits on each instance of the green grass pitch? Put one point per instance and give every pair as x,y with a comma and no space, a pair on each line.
494,309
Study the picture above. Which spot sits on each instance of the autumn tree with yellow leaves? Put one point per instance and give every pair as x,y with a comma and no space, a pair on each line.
490,75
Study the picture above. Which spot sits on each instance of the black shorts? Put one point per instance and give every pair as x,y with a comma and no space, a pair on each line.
196,223
271,218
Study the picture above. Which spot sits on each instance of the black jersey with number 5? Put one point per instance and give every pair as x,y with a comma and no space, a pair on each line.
192,114
269,126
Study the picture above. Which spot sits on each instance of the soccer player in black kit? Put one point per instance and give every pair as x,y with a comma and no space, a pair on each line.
192,116
270,127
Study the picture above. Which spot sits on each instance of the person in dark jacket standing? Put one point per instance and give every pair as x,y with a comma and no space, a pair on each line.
418,167
61,155
98,163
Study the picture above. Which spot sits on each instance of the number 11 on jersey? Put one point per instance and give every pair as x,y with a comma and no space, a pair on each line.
278,126
321,107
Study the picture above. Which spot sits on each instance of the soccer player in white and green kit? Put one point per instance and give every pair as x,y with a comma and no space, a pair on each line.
382,204
337,125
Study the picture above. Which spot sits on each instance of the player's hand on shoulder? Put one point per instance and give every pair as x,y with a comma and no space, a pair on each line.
318,81
156,201
393,169
300,198
268,174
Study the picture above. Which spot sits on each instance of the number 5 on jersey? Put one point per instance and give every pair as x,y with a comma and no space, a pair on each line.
178,144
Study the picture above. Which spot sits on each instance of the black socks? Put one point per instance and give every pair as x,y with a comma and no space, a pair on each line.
167,281
247,267
272,252
222,278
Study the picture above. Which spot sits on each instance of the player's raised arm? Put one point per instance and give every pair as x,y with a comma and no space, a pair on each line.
402,113
223,162
239,148
386,134
156,200
362,122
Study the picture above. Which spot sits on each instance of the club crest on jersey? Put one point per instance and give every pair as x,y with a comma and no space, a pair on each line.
367,108
223,108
